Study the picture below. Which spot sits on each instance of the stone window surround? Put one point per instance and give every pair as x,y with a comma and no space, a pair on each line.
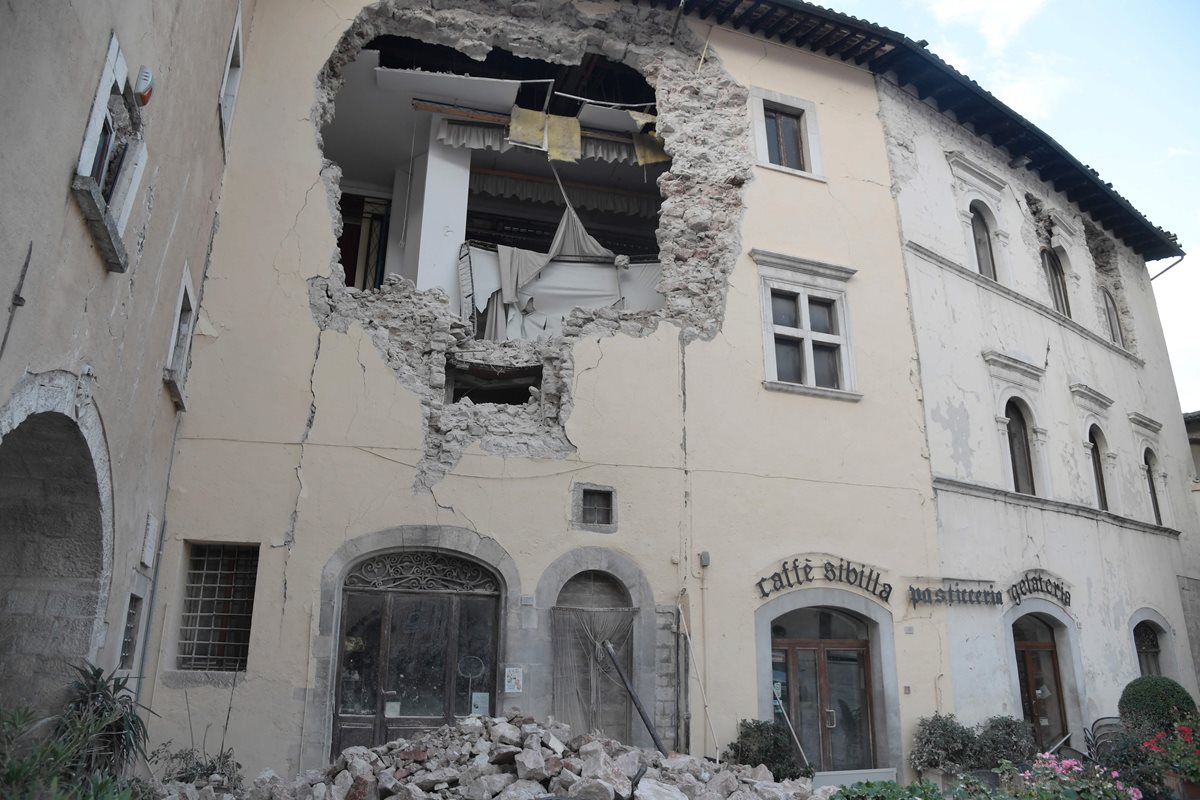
885,686
809,139
1049,313
800,274
179,347
577,490
106,220
1066,644
977,184
231,82
1167,642
524,622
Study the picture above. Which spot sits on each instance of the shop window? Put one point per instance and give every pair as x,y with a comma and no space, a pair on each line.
785,132
1097,452
592,607
129,638
232,79
1145,640
175,371
217,607
982,234
1113,317
1151,463
822,682
1057,281
112,160
1039,680
1020,448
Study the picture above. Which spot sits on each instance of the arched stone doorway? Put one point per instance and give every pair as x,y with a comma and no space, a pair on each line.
418,645
1040,679
593,607
821,670
51,558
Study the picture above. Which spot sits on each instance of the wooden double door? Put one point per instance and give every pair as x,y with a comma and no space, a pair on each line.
413,655
825,687
1040,681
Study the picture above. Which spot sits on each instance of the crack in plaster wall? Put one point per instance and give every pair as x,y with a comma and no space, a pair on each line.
704,122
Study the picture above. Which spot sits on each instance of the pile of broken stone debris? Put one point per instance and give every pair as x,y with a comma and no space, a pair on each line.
515,758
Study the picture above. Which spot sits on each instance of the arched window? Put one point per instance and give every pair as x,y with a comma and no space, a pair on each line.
1019,448
1114,319
1151,466
982,235
1058,282
1096,440
1145,640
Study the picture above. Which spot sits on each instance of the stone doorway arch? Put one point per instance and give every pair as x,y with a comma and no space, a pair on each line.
55,537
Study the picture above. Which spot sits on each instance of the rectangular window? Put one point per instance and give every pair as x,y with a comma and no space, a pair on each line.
217,607
232,79
175,371
129,639
111,160
806,331
785,132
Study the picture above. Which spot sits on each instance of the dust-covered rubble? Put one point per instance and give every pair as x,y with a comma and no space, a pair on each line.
514,758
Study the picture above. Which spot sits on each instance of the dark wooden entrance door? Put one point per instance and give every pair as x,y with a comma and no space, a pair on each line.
418,646
825,685
1038,676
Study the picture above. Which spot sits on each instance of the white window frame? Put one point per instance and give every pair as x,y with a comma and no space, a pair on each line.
806,279
180,346
810,142
108,219
231,81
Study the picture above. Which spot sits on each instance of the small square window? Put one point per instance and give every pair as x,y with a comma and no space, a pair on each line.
786,132
218,602
129,639
594,508
597,507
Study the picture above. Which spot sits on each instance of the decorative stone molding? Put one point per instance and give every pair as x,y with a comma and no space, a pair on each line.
1148,425
1012,369
804,266
1089,399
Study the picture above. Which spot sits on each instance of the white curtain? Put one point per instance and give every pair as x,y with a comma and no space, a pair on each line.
542,192
638,284
474,137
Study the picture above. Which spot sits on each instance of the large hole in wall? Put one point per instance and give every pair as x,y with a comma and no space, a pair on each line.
522,189
424,118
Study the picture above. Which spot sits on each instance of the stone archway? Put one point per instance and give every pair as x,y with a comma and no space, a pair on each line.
51,558
56,535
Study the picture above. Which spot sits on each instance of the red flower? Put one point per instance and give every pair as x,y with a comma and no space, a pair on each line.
1185,731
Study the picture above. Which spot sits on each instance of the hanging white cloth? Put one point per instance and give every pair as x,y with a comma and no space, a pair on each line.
474,137
638,284
518,267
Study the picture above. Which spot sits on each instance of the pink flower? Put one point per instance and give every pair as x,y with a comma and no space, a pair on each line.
1116,774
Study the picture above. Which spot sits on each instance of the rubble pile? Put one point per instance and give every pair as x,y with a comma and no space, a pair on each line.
516,758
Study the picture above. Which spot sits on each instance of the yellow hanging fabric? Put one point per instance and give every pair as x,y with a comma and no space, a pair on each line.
527,127
649,148
564,138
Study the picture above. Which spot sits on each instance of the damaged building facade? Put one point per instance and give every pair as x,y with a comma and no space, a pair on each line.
746,336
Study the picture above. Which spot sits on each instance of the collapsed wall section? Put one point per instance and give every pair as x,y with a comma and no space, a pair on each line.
703,121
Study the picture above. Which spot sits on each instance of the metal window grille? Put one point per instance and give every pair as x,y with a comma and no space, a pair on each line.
217,606
597,507
129,639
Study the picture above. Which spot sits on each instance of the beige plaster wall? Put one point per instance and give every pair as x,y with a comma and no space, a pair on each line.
76,314
703,458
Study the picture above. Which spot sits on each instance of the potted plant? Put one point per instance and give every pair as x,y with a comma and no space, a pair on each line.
1053,777
1177,754
943,748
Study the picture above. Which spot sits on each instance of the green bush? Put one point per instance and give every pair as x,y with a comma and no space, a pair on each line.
1003,739
942,742
889,790
767,743
1156,701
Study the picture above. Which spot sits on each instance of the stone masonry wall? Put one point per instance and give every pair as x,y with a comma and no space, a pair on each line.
704,123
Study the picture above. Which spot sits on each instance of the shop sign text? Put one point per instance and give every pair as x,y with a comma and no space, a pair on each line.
796,573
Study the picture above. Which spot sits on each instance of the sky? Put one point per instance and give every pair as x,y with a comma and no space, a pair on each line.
1116,83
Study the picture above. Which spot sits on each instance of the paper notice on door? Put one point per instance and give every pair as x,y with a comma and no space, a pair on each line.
1043,721
480,703
514,680
391,708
